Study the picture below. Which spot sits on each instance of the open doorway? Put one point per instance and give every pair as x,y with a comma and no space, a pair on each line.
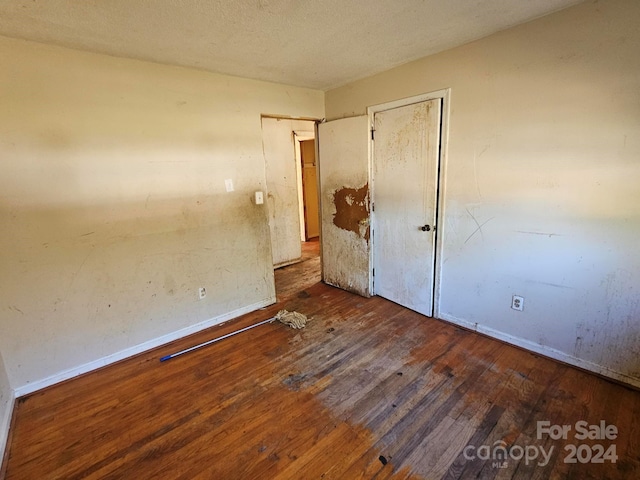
308,186
292,201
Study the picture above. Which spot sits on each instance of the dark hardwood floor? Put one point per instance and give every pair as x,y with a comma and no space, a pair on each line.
293,279
367,390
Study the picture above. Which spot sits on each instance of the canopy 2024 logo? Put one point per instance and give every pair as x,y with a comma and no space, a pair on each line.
583,453
500,453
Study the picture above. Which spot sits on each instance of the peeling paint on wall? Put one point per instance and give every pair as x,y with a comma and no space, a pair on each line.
352,210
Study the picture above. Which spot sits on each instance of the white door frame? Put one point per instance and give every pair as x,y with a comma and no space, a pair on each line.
445,95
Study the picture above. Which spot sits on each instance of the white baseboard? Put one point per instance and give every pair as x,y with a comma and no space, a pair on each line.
5,425
545,351
286,263
143,347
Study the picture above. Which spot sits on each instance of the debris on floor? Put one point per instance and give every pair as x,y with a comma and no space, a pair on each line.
293,319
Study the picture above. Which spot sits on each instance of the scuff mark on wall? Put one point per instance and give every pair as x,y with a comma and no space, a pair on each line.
540,233
15,309
352,210
479,229
477,156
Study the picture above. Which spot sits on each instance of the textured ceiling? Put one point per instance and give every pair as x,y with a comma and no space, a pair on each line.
313,43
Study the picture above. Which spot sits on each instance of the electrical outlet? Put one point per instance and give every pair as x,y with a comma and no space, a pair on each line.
202,292
517,303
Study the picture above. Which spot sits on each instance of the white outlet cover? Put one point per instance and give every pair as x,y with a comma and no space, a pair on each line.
228,184
259,198
517,303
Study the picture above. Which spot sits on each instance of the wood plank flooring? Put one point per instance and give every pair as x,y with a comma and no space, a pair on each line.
293,279
367,390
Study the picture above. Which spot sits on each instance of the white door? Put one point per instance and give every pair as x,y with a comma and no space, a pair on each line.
405,175
343,146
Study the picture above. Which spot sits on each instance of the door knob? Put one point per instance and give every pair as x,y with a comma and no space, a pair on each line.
425,228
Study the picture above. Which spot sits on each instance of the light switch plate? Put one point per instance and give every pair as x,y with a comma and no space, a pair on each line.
228,184
259,198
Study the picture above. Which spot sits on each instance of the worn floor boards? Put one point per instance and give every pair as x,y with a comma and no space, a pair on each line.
367,390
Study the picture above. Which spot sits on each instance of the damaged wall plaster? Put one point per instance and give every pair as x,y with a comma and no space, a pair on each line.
352,210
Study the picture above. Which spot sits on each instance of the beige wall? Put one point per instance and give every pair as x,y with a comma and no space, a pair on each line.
114,208
542,194
6,405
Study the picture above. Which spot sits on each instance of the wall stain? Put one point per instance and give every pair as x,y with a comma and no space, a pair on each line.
352,210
